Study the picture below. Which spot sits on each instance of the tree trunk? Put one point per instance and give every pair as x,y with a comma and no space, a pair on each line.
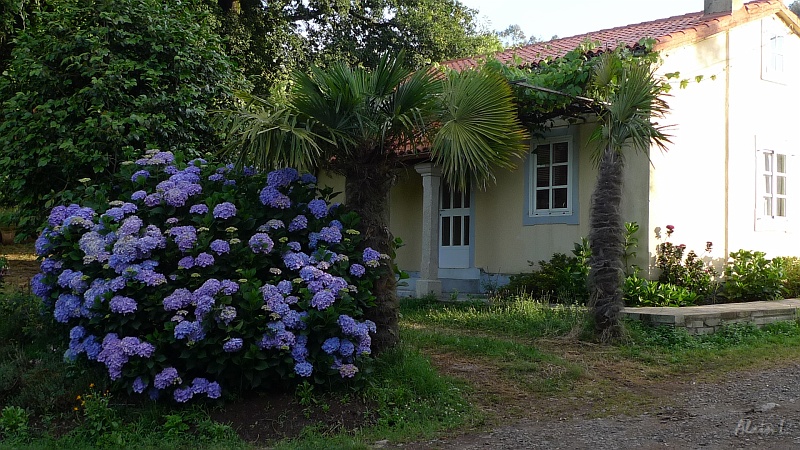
367,193
607,242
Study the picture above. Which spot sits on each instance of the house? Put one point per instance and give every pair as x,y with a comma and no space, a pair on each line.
728,177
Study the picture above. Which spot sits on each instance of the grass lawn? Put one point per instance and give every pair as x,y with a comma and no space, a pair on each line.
461,367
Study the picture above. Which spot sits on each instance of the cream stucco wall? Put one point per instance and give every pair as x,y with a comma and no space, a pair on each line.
705,185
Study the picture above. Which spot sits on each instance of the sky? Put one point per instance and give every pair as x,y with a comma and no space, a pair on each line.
545,18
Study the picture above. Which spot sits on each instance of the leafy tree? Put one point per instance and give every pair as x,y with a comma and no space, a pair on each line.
93,84
353,121
271,39
631,97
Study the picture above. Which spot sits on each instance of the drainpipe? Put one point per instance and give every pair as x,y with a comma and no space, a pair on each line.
727,138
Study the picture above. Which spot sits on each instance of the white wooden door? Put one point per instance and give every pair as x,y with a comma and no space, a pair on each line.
455,226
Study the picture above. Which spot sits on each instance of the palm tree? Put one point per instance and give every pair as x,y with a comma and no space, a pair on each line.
631,97
358,123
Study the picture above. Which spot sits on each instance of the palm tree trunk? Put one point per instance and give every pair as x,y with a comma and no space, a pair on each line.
367,193
607,242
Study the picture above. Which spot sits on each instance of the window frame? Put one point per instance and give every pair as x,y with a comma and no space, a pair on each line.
772,221
773,45
568,215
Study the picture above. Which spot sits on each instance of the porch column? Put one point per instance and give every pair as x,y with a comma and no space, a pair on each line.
429,282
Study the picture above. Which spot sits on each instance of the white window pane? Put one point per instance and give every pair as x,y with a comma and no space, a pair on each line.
543,155
767,162
781,163
781,207
768,184
543,177
780,188
768,206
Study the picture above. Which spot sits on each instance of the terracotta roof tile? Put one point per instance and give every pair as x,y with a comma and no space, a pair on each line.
668,33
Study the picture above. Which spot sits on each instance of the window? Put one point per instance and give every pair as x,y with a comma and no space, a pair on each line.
772,51
773,201
551,182
551,164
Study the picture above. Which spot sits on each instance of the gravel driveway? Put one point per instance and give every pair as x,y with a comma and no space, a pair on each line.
755,409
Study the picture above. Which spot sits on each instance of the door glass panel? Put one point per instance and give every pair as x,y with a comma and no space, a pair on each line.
445,231
456,230
466,199
767,206
466,230
780,189
767,162
768,184
781,207
782,163
445,197
456,199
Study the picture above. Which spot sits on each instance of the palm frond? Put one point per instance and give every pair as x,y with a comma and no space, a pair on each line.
479,130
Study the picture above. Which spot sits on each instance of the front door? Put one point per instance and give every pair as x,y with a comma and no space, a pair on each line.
454,229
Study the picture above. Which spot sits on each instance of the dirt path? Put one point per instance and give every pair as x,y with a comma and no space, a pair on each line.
753,409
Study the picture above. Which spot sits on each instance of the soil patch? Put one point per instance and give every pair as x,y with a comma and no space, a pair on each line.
261,418
22,265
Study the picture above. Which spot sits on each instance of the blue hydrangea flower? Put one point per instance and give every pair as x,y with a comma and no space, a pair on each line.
143,174
139,385
219,246
370,255
179,299
272,197
307,178
122,305
304,369
67,306
198,209
184,236
229,287
166,378
260,243
298,223
138,195
357,270
348,370
232,345
331,235
190,330
204,260
227,314
187,262
331,345
282,177
224,210
318,208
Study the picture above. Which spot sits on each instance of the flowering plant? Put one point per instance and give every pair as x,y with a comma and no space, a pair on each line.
210,278
3,268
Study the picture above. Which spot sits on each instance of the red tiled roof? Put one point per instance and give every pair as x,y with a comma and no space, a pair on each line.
668,33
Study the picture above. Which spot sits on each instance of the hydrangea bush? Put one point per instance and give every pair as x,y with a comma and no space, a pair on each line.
206,278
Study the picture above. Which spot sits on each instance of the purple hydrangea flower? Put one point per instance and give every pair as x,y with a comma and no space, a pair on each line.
318,208
138,195
227,315
331,235
190,330
229,287
166,378
122,305
198,209
348,370
260,243
298,223
370,255
219,246
187,262
323,299
304,369
67,306
204,260
140,173
224,210
179,299
232,345
184,236
357,270
182,395
281,177
272,197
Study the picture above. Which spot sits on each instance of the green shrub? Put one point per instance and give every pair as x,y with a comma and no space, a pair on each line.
211,278
92,84
560,280
14,423
689,272
751,276
642,292
791,283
